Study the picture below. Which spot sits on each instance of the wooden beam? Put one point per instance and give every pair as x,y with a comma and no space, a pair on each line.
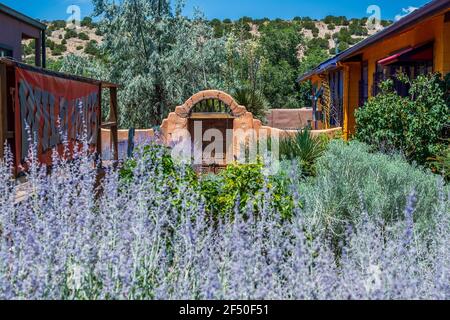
3,108
13,63
99,130
211,115
113,118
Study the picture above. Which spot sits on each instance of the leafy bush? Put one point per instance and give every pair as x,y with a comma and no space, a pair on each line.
350,179
441,163
244,185
339,21
92,48
70,34
28,49
87,22
58,49
158,159
59,24
413,124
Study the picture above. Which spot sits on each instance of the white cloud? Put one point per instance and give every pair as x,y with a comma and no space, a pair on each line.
405,12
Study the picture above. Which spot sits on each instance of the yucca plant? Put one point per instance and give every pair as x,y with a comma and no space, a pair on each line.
253,100
303,147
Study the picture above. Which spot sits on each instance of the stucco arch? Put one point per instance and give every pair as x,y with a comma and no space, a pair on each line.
174,128
185,109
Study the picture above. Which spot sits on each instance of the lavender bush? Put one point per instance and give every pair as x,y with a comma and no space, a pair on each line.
139,240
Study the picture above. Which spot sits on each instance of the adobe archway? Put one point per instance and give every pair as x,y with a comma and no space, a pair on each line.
178,125
178,120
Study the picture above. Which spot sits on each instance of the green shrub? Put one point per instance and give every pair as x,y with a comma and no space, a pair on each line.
159,159
54,65
59,24
58,49
83,36
28,49
70,34
79,47
413,125
441,163
92,48
350,178
50,44
87,22
242,185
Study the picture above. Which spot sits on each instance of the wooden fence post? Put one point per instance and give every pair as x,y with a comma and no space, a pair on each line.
3,108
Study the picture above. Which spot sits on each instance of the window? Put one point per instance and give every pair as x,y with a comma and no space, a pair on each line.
364,84
336,93
4,52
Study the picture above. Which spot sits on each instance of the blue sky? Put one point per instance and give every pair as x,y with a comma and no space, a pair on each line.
233,9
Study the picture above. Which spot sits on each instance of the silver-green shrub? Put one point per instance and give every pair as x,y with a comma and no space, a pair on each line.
350,179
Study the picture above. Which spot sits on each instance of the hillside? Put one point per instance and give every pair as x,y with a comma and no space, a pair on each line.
259,58
323,34
62,40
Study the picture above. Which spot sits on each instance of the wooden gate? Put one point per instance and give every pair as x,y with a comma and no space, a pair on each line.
214,157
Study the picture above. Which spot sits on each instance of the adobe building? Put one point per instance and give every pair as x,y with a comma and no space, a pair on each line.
16,27
417,44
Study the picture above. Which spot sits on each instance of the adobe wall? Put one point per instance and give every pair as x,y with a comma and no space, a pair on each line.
174,129
289,119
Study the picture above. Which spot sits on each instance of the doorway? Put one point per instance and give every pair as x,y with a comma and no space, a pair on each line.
213,140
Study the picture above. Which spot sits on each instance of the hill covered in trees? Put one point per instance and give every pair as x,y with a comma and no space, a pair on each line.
161,57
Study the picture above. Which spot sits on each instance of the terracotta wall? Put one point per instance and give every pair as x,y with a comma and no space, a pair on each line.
145,135
289,119
141,135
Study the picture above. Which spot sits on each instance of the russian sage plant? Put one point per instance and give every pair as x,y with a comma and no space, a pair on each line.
75,237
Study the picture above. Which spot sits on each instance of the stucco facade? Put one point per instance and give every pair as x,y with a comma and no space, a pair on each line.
15,27
427,28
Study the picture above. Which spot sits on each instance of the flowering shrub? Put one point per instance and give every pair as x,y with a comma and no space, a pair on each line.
69,240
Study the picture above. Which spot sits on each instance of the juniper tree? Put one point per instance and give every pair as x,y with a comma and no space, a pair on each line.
159,56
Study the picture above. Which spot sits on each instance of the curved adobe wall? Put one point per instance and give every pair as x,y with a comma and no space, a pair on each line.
177,122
